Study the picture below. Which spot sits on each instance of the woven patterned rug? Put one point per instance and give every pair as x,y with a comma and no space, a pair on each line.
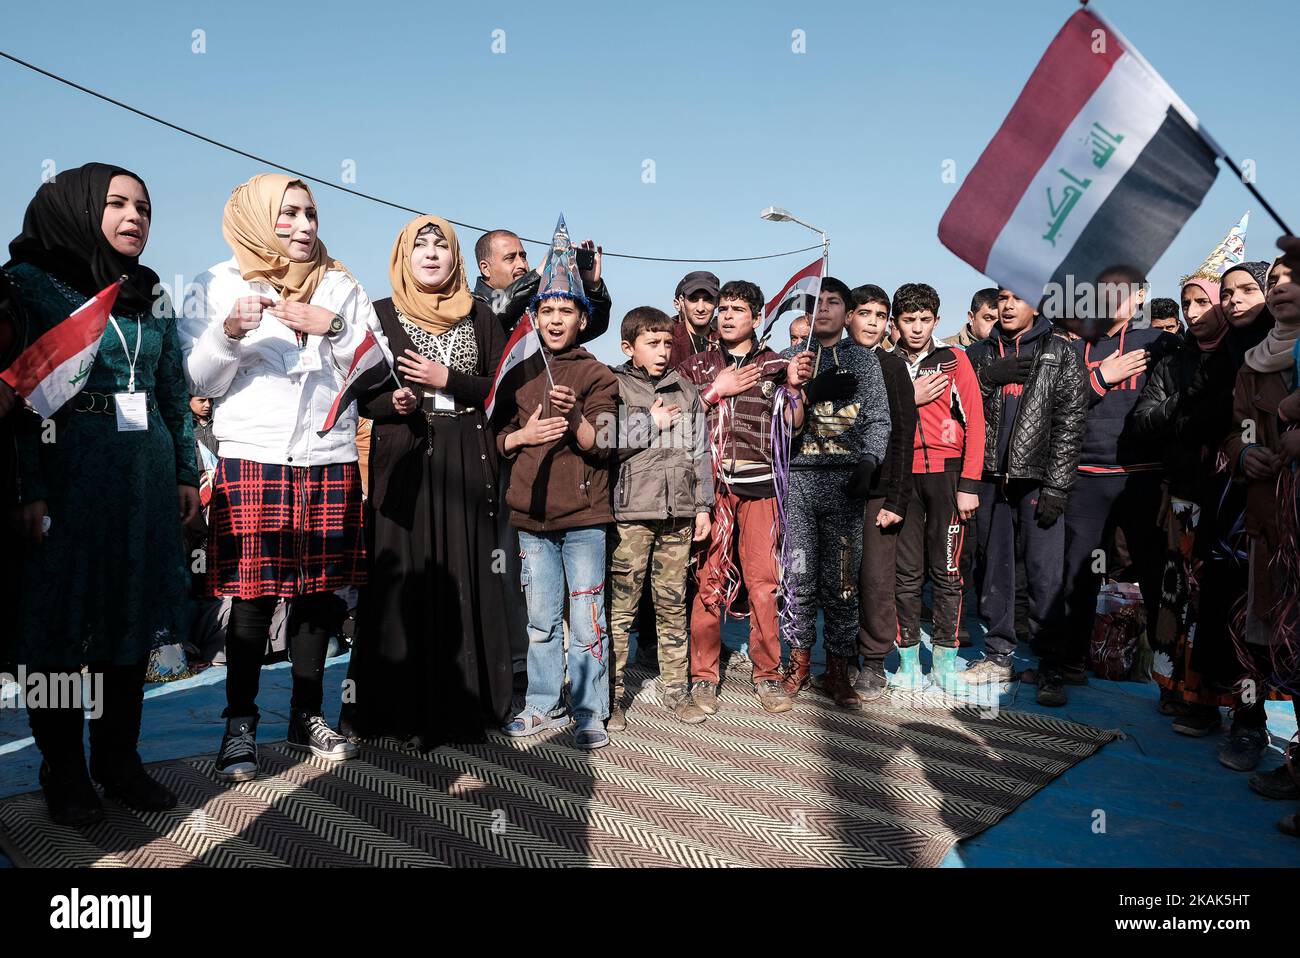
895,785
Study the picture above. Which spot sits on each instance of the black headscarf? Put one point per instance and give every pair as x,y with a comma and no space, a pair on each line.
63,235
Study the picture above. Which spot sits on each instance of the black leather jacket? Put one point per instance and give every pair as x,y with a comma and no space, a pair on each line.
1048,431
1186,405
509,304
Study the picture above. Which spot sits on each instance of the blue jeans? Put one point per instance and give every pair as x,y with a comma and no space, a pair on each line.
572,560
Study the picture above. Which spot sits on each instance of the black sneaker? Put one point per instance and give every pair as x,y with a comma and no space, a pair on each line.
126,782
1279,783
871,683
237,758
1244,748
312,732
1198,721
1074,674
1051,687
70,795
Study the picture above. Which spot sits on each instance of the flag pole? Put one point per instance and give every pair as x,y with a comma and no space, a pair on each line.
541,347
1255,193
826,271
1200,130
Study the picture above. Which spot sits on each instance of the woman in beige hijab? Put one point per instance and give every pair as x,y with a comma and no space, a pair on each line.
432,660
270,335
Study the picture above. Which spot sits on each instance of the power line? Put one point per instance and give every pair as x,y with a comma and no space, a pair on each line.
343,189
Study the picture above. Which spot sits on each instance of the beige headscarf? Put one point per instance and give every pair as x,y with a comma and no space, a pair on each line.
1276,352
435,310
248,225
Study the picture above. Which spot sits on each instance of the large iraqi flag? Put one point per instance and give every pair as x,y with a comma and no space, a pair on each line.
1099,163
53,369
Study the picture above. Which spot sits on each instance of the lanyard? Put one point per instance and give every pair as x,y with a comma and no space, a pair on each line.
443,344
130,386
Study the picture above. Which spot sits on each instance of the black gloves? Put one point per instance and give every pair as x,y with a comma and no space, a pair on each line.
1050,508
1009,369
859,486
829,386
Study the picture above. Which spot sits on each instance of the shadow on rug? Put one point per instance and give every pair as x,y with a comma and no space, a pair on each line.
897,784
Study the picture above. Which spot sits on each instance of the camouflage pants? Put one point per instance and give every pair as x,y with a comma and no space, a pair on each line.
664,548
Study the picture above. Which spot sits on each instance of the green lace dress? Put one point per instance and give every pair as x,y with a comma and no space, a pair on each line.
109,583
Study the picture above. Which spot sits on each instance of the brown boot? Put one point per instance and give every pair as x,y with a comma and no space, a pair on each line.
835,683
795,679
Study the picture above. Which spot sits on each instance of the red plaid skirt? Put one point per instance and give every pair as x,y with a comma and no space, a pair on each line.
284,530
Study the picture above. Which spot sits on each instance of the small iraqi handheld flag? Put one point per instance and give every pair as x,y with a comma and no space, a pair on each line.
523,342
1099,163
799,295
53,369
368,369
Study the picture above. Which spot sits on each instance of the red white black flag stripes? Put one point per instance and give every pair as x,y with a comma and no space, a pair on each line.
1098,163
523,342
53,369
798,296
368,369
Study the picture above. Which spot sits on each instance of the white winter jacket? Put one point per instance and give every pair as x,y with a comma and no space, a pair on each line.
260,411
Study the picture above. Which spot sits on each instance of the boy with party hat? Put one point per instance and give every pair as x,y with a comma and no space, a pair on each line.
559,501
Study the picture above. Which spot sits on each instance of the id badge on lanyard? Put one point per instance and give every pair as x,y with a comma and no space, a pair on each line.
132,407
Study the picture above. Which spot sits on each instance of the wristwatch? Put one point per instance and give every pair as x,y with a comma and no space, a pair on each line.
336,325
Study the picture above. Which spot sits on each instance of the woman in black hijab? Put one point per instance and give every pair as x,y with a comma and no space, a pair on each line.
103,493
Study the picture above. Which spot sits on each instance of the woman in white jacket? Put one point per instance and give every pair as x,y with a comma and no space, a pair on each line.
270,335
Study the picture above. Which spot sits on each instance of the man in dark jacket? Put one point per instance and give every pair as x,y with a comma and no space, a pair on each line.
695,299
886,489
1118,487
507,285
1032,382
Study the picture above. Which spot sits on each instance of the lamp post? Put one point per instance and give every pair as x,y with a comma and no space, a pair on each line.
774,214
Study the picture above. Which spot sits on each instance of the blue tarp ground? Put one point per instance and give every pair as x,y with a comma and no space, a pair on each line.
1165,800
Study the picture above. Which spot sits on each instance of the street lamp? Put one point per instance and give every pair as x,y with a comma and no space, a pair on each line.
775,214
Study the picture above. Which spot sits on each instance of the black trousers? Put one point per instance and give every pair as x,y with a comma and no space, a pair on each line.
877,611
1111,531
114,734
1014,537
312,620
931,544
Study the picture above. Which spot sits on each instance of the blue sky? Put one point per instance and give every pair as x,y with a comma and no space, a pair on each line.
850,135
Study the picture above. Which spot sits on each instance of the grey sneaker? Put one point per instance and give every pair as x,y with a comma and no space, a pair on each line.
313,733
705,696
237,757
617,720
1244,749
871,682
679,702
988,670
772,697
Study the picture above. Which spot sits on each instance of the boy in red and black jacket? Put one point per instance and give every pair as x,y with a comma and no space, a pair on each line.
946,468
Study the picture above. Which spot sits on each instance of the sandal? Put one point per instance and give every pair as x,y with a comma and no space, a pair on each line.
533,723
590,733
